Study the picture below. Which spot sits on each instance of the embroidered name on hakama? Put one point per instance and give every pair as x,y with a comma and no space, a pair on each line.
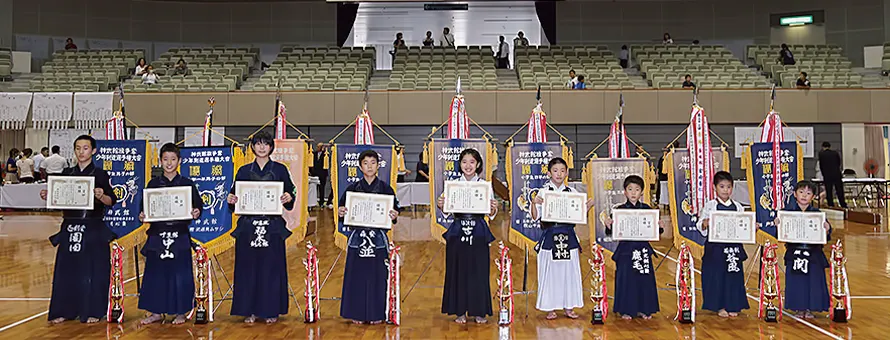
801,263
561,247
467,227
260,232
169,239
75,237
732,259
640,259
366,249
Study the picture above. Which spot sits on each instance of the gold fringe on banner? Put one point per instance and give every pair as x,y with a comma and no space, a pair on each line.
339,239
492,159
401,155
435,228
426,153
327,158
515,237
138,236
571,159
565,152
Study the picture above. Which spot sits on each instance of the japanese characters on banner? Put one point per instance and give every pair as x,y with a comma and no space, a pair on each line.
527,173
294,153
682,218
14,109
129,171
445,166
213,171
604,178
345,171
52,110
759,165
92,110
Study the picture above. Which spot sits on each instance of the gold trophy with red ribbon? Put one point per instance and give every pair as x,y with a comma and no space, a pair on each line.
202,292
599,292
505,285
685,281
840,287
770,288
116,291
393,291
311,292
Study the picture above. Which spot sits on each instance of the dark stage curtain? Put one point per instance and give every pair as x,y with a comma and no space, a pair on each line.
346,13
547,15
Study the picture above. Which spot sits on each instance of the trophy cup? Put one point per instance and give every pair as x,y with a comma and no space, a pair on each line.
685,286
839,285
201,294
598,284
311,293
505,285
116,312
769,285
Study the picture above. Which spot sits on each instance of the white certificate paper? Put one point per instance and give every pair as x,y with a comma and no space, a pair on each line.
563,207
259,198
464,197
70,192
167,204
732,227
802,227
635,224
368,210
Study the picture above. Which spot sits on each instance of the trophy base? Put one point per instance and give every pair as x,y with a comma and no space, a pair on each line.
597,318
686,317
116,313
840,315
772,315
201,317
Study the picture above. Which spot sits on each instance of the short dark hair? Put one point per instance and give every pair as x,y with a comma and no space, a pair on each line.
13,153
687,76
264,138
169,147
369,154
56,149
803,73
87,138
623,47
475,155
27,152
634,179
555,161
784,46
721,176
572,71
581,78
805,185
826,144
44,149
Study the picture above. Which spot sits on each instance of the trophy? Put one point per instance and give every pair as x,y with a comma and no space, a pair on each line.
598,284
201,294
505,285
769,285
685,282
116,312
840,288
311,292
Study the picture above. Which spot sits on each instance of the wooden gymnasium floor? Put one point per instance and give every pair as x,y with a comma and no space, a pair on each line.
26,262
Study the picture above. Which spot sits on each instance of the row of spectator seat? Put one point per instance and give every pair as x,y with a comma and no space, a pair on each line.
86,70
438,68
5,63
319,68
549,66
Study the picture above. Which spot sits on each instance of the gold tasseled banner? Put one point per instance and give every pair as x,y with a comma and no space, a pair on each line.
239,157
327,158
426,153
521,241
135,238
401,155
493,156
571,159
222,243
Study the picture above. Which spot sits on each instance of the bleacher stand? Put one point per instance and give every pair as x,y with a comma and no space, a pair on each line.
826,65
85,70
548,66
213,69
5,64
438,68
712,66
319,69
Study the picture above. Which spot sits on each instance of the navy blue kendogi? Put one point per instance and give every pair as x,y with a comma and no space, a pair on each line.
367,258
83,260
723,278
169,283
635,291
260,286
805,264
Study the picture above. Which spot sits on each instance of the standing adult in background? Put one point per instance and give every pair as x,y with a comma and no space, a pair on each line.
399,43
447,38
830,164
503,54
38,160
319,171
428,41
423,171
785,56
12,171
623,56
520,40
26,166
54,164
662,176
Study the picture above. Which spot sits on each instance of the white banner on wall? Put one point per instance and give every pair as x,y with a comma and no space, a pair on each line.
193,136
65,140
52,110
157,136
752,134
14,107
92,110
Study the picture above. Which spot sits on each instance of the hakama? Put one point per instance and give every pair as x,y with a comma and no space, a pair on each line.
805,285
723,276
559,270
467,264
81,275
635,291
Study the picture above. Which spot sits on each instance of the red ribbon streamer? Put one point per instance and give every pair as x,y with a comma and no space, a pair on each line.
393,291
311,293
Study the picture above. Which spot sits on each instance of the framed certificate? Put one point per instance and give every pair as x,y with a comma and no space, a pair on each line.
464,197
563,207
368,210
802,227
70,192
732,227
167,204
635,224
259,198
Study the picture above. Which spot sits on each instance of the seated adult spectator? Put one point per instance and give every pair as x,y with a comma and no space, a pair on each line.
580,85
667,39
447,38
428,41
572,79
181,68
54,164
520,40
803,82
12,172
785,56
140,67
25,166
69,44
150,77
623,56
687,82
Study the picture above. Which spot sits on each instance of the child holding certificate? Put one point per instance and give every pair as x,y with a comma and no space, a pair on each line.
467,260
83,259
806,289
260,262
559,268
367,253
169,285
723,281
635,291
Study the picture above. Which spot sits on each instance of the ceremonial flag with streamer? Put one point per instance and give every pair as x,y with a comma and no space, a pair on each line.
618,135
698,140
678,164
527,174
212,169
604,178
116,127
208,122
458,122
445,166
537,124
345,171
364,128
774,134
129,170
280,119
762,168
